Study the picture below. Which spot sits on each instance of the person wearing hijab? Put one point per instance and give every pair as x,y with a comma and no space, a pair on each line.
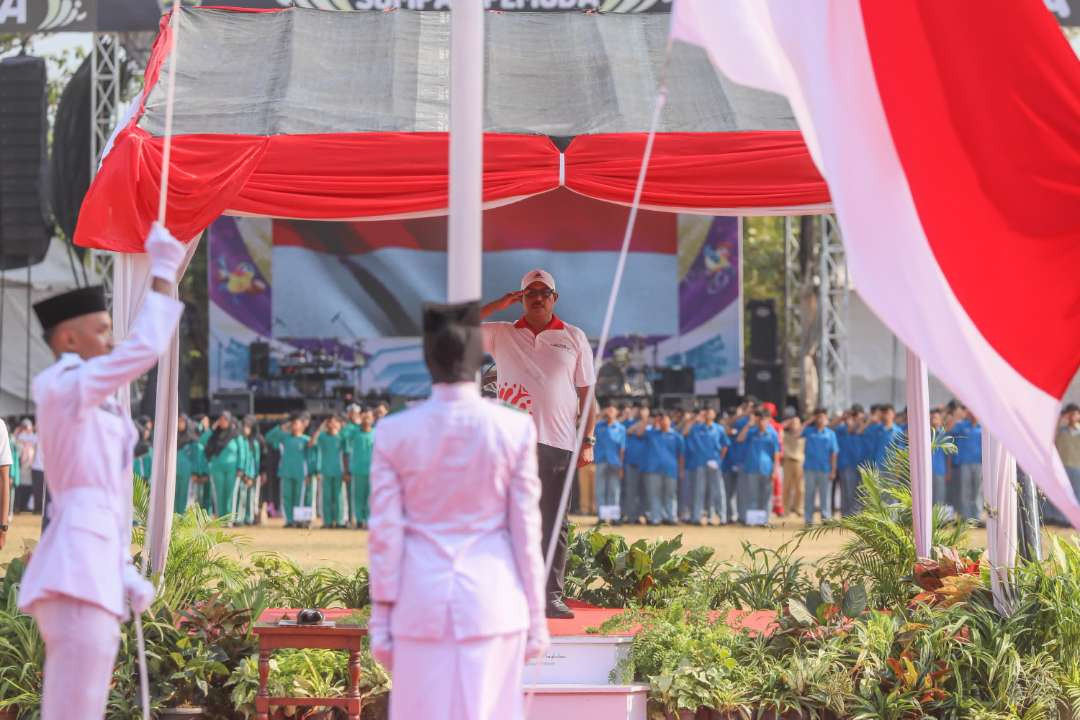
144,449
189,463
457,579
226,452
80,582
247,504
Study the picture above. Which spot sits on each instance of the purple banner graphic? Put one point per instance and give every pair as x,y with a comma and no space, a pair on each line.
235,283
712,281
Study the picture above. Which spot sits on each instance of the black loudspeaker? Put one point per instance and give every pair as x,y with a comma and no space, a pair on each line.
765,381
24,227
763,345
676,381
238,403
259,360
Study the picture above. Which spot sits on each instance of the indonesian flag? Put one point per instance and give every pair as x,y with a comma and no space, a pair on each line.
949,135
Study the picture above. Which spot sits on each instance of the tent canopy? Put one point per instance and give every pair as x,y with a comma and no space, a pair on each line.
331,116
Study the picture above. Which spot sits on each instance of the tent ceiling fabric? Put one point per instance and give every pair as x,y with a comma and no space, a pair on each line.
302,71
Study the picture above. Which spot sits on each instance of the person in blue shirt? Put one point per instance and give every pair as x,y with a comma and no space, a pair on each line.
849,457
938,465
706,445
762,448
608,456
716,498
819,465
968,435
889,435
633,494
735,478
868,436
662,465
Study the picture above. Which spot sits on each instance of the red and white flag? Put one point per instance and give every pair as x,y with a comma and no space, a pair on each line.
949,135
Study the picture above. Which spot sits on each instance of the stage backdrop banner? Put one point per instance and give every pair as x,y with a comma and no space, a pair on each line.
354,290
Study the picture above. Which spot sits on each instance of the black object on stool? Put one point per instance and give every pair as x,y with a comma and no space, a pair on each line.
310,616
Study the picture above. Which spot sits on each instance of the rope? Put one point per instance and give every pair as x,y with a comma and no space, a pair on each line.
609,313
170,102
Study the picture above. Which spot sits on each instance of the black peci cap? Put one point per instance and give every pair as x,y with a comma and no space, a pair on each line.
76,303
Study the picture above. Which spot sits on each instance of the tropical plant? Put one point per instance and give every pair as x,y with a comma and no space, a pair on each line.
603,569
880,552
761,579
22,653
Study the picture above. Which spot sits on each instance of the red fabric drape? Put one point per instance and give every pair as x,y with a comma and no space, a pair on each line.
368,175
768,169
314,177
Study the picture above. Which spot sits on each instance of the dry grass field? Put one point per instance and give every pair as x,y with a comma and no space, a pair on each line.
346,549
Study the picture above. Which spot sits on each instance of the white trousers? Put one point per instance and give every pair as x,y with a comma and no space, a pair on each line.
81,641
477,679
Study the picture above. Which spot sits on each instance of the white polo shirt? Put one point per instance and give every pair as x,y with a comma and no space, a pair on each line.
541,372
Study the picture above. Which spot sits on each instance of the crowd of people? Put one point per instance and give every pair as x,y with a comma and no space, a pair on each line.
301,468
747,466
651,466
313,467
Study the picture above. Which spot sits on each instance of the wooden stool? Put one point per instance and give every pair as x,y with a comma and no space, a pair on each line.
319,637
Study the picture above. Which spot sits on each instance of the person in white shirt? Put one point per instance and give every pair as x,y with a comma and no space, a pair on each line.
80,581
457,580
545,367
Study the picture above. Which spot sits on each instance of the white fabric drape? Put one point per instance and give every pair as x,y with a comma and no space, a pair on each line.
131,278
918,411
999,496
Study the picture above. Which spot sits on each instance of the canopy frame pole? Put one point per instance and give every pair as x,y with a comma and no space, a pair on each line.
465,241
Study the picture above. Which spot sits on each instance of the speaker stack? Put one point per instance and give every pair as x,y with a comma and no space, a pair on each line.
24,227
764,371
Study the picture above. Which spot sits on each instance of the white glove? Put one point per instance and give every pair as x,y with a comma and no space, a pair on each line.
537,643
166,253
138,591
382,647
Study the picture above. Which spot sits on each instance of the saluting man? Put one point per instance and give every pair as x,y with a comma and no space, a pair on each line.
80,582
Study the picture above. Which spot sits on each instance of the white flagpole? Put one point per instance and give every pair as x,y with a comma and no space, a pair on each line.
919,459
465,243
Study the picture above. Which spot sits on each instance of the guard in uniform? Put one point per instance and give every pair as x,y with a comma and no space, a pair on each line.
80,582
457,580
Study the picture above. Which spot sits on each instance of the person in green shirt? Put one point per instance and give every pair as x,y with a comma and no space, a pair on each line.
247,489
294,467
226,452
359,448
329,441
190,463
13,475
144,449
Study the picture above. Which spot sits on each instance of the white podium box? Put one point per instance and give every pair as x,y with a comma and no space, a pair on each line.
579,660
588,702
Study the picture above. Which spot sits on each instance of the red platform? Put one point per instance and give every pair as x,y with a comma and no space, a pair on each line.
588,617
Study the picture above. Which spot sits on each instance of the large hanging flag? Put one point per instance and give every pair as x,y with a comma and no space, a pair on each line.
949,135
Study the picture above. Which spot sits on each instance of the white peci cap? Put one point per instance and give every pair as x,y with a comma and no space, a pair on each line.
538,276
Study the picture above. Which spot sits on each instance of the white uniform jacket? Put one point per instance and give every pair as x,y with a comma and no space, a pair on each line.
88,443
455,519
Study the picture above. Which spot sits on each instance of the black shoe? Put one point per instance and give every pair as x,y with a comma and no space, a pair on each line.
557,610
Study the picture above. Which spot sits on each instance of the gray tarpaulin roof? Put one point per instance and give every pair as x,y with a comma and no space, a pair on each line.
559,74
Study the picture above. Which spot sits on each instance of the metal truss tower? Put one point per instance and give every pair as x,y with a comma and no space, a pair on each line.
834,380
825,270
105,82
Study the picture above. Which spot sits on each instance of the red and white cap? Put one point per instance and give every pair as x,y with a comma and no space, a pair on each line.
538,276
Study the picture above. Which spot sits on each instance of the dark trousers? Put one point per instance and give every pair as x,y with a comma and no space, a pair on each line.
553,463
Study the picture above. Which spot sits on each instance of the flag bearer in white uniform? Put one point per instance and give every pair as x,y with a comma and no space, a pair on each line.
457,581
80,582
